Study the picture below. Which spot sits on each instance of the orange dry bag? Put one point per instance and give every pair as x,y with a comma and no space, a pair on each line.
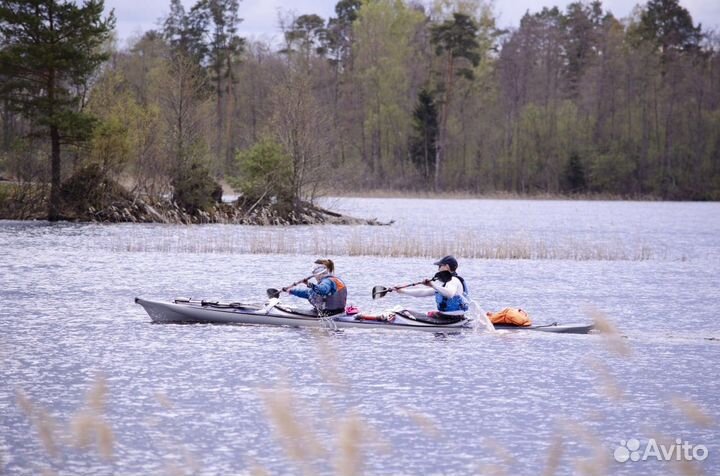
512,316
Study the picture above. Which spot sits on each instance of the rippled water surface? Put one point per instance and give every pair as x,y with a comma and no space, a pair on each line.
206,399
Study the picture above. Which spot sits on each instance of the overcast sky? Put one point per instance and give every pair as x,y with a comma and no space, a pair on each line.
260,17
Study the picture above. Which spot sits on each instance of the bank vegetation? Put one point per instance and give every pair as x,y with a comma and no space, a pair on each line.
385,95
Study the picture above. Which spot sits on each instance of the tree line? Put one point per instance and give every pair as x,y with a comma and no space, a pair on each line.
387,94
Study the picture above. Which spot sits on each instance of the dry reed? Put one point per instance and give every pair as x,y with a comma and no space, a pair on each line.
613,339
42,421
360,242
555,453
89,425
693,412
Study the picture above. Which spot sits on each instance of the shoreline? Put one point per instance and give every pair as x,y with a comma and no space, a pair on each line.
459,195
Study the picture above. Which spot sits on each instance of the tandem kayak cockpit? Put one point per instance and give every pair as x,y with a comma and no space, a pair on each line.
274,313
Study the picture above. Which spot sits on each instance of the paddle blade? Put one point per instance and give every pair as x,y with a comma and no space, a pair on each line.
379,291
273,293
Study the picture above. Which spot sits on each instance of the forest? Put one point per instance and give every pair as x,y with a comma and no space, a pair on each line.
387,95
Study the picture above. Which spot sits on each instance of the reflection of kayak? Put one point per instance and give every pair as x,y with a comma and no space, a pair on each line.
275,314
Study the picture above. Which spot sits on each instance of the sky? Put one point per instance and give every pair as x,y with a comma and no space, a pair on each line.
260,17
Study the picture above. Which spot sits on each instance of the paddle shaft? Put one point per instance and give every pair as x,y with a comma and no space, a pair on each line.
274,293
378,293
297,282
395,288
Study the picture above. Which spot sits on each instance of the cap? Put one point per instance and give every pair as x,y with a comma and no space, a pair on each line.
448,260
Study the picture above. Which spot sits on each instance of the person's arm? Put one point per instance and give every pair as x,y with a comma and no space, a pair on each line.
417,292
300,292
449,290
325,287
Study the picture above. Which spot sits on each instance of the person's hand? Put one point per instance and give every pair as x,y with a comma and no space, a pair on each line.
284,290
306,281
426,282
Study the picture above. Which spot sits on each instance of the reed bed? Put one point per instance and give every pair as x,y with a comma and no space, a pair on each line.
360,242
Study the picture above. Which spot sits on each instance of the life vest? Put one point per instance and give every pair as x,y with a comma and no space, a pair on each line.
511,316
459,302
331,302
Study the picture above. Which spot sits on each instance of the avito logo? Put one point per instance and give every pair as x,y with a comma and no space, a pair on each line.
630,450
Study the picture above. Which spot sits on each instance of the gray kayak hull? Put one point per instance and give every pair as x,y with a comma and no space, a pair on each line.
202,312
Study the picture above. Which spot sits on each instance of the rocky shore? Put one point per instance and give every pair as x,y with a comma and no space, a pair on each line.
123,208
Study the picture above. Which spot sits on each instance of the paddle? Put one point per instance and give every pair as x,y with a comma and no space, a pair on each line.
273,293
381,291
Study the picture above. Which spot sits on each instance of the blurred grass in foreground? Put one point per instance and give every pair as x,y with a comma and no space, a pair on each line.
332,440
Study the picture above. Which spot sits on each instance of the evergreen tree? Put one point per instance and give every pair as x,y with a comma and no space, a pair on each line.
338,37
214,24
423,144
573,177
308,33
669,26
49,51
457,41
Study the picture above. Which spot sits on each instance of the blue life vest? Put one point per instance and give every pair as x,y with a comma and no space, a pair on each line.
455,303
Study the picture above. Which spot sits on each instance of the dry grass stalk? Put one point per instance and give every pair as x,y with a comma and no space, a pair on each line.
88,425
163,400
189,466
555,453
688,468
596,464
693,412
43,422
502,452
256,470
613,338
425,422
328,358
609,384
349,460
299,442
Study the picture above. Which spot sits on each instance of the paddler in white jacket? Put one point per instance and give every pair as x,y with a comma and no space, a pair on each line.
449,289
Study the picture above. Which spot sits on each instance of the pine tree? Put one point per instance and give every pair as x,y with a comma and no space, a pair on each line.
670,26
455,40
573,176
49,51
423,144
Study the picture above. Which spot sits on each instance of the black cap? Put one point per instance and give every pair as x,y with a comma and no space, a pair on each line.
448,260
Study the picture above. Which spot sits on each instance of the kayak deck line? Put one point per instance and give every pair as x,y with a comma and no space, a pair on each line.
188,311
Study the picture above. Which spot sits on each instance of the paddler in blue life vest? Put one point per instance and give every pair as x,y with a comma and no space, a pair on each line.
449,289
329,295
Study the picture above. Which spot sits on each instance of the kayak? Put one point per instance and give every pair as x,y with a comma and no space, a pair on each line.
188,311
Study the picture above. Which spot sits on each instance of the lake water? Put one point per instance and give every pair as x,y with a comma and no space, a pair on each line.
200,399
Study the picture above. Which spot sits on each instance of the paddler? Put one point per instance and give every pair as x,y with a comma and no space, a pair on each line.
449,289
329,294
